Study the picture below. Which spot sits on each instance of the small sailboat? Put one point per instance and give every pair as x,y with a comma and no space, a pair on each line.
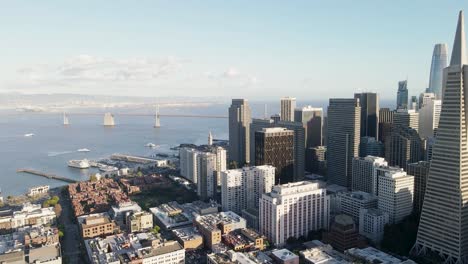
66,122
29,135
83,150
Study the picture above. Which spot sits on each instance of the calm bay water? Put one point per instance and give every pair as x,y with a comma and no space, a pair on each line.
54,144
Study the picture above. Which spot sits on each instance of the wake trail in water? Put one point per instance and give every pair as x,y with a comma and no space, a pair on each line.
58,153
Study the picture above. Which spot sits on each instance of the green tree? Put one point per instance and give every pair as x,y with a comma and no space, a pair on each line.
93,178
156,229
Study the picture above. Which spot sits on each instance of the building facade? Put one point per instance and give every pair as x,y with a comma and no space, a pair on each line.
420,171
242,188
275,146
365,173
292,210
369,114
239,126
344,124
206,173
438,64
312,120
372,224
395,191
402,95
288,104
404,146
406,118
429,116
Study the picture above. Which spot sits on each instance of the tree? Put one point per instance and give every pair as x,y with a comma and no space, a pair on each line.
58,210
233,164
93,178
156,229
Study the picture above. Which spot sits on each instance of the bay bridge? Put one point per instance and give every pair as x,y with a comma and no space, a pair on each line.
109,118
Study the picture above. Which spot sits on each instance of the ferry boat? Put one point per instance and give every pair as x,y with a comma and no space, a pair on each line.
80,164
151,145
83,150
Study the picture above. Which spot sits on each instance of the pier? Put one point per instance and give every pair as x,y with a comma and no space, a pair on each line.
46,175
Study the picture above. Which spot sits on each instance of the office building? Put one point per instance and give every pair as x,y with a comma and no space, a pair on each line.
316,160
288,104
438,64
95,225
173,215
395,191
28,215
402,95
414,103
299,141
284,256
406,118
425,98
344,124
372,224
206,173
213,226
369,114
385,122
343,234
119,211
275,146
350,203
188,164
429,116
221,160
242,188
443,226
403,146
139,222
369,146
239,126
188,237
420,171
292,210
365,173
312,120
373,255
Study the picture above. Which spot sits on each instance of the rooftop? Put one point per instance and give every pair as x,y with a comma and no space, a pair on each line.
284,254
372,255
211,221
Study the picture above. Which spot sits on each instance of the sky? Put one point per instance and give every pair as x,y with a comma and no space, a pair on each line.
312,50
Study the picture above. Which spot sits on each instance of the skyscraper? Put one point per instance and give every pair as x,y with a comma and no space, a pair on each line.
206,173
429,116
312,120
403,146
438,64
365,173
288,104
402,95
386,117
299,141
369,114
443,226
239,136
419,170
407,118
275,146
344,124
242,188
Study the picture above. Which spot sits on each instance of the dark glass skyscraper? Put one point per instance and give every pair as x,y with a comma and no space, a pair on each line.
369,114
439,62
402,95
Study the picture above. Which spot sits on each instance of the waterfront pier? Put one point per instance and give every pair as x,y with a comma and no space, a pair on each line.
46,175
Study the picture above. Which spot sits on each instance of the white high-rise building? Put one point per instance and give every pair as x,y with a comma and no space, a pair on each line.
221,160
365,173
395,191
292,210
188,164
350,203
429,116
425,98
242,188
206,175
288,104
372,223
443,226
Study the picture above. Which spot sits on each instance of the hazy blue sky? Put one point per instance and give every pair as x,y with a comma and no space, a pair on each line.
307,49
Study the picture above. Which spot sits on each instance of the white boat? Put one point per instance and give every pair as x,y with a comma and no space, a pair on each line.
80,164
151,145
83,150
29,135
66,122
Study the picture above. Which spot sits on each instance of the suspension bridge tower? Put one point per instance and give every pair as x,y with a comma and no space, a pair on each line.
157,121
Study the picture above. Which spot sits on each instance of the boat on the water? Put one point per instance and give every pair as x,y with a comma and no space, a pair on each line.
151,145
80,164
29,135
83,150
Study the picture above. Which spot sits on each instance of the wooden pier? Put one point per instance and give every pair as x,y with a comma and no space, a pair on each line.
46,175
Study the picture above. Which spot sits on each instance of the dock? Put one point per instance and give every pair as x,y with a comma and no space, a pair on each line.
46,175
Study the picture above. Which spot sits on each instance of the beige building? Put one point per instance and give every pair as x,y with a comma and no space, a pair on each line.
139,222
29,215
188,237
213,226
95,225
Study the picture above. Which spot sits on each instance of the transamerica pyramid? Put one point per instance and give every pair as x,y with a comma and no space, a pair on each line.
443,227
